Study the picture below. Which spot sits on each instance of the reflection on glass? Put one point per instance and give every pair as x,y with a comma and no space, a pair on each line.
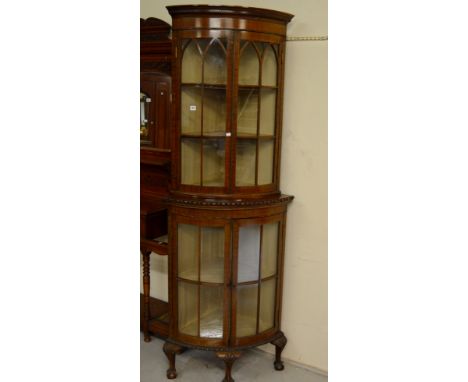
214,112
267,111
247,112
267,305
187,307
187,248
191,63
246,317
265,161
248,253
269,249
211,311
190,161
213,162
191,110
212,254
215,68
144,113
245,162
248,65
269,67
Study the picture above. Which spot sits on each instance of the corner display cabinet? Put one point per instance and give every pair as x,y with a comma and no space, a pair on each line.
227,216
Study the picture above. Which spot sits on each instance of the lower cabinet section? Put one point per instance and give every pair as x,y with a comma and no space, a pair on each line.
225,272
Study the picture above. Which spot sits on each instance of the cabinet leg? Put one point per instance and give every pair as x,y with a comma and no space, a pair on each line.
229,358
171,350
146,294
279,343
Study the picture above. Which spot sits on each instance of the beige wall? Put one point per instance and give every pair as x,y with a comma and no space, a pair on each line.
303,174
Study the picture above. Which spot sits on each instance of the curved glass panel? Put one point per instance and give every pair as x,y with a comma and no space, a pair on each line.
266,149
215,68
187,307
213,162
191,63
211,311
214,112
245,162
248,65
267,305
246,315
247,112
212,255
190,161
269,249
187,251
269,66
267,112
190,113
248,253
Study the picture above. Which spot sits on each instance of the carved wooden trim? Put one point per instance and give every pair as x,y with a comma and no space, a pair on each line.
279,343
229,358
154,29
146,293
225,348
283,199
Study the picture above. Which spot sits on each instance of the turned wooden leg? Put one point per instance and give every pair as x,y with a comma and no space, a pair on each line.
146,294
279,343
229,358
171,350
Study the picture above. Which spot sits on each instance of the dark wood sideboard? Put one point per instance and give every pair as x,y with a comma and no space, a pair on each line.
155,163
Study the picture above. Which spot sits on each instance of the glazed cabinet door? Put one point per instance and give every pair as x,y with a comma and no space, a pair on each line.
205,66
257,85
256,277
201,269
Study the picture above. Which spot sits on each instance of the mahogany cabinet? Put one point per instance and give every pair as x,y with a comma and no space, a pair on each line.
227,216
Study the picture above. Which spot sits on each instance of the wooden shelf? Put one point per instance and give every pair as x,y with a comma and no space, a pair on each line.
159,317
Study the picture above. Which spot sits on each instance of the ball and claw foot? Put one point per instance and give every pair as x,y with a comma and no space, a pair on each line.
279,365
147,338
171,350
279,343
171,374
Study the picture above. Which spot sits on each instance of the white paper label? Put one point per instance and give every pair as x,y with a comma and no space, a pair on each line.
193,107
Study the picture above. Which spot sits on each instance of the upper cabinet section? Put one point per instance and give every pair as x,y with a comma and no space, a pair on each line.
227,94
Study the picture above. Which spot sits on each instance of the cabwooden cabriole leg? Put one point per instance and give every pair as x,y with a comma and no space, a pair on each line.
229,358
171,350
279,343
146,294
